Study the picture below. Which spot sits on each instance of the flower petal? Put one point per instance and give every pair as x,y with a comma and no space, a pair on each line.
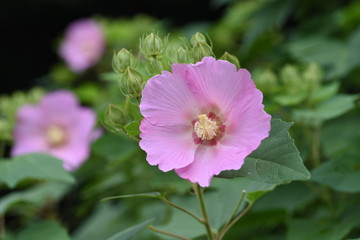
248,124
210,161
169,147
73,155
167,101
215,83
59,105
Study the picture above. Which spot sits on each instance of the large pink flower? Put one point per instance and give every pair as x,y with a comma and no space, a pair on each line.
58,125
202,119
83,44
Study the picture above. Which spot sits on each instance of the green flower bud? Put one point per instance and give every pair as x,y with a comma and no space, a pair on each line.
183,56
114,118
200,47
201,50
231,58
313,75
290,77
198,38
152,45
122,60
131,82
267,81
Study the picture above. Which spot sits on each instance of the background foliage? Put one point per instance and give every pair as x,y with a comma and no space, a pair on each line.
303,55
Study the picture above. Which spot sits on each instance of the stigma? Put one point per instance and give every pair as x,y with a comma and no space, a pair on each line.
206,128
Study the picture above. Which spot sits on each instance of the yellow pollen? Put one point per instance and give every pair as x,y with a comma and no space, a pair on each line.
205,128
55,135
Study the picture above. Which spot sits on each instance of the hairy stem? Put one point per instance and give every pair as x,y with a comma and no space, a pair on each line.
167,233
226,228
205,220
181,209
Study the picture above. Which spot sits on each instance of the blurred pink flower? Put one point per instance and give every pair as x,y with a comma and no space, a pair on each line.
202,119
58,125
83,44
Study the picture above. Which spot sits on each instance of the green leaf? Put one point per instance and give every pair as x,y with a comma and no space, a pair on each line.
132,129
37,166
149,195
290,197
342,173
114,147
324,92
37,195
329,109
43,230
276,161
130,232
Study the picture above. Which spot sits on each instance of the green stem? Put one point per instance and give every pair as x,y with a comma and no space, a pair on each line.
226,229
2,227
180,208
243,194
167,233
205,220
315,146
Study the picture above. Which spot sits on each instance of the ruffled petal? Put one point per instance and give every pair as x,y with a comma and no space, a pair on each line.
167,101
248,124
169,147
210,161
216,84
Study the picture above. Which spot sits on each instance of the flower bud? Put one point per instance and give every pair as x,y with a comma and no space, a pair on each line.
122,60
183,56
114,118
200,47
131,82
198,38
200,51
313,75
231,58
267,81
152,45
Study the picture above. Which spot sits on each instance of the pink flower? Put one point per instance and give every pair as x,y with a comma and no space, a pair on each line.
202,119
83,45
58,125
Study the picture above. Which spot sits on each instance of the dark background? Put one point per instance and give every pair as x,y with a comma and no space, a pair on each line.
29,29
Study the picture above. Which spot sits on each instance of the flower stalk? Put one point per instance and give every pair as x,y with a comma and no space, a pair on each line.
205,220
167,233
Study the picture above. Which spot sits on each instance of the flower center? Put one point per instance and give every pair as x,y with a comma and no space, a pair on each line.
205,128
56,135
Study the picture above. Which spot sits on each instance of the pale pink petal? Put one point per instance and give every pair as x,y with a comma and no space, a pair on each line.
248,124
59,104
216,84
29,145
30,122
167,101
82,124
73,155
169,147
210,161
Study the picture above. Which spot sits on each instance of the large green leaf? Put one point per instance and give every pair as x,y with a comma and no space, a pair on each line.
130,232
43,230
329,109
276,161
37,166
342,173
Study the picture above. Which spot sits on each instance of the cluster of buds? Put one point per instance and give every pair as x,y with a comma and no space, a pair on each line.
131,80
200,47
